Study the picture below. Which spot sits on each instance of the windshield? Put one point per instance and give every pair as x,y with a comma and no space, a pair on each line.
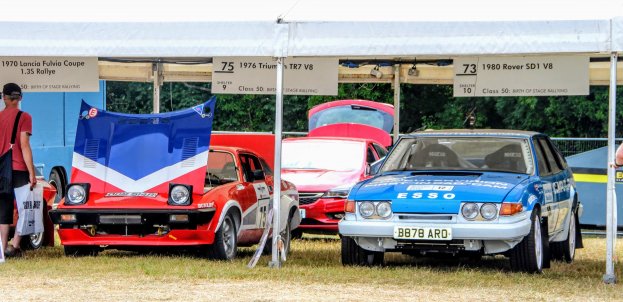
352,114
461,153
324,155
221,168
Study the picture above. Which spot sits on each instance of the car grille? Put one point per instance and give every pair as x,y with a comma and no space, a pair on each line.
432,217
309,198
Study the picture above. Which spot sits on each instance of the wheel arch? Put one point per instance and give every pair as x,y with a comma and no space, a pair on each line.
62,173
234,207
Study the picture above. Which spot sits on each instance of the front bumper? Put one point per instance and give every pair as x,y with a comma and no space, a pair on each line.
493,237
132,227
320,215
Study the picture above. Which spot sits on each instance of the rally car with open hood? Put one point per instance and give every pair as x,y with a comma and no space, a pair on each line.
474,192
155,180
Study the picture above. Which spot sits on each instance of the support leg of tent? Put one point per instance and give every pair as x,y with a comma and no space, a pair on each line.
276,262
396,101
157,69
611,202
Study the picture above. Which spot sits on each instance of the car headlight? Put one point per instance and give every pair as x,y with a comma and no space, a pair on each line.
179,195
339,191
488,211
384,209
77,194
470,210
366,209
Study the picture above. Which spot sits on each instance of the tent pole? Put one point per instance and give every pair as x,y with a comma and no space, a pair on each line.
396,102
157,76
611,202
275,263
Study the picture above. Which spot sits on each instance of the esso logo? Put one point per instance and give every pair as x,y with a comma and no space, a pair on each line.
93,112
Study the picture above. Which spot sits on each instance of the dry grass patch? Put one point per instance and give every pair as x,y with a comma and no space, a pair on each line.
313,273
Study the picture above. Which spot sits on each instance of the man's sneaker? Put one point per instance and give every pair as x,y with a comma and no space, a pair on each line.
12,252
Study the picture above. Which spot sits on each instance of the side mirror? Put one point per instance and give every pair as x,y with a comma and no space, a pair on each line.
368,169
258,175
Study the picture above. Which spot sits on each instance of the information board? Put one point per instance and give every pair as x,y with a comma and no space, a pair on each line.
521,75
257,75
51,74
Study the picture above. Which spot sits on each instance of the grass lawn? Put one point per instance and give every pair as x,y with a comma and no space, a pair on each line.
313,273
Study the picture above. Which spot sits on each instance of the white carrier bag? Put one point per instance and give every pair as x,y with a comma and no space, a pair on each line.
30,210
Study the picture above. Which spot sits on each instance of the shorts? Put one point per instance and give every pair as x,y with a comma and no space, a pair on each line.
7,202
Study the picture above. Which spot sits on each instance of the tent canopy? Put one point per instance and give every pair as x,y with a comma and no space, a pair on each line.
348,28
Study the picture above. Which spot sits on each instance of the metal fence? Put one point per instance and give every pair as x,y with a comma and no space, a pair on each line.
574,145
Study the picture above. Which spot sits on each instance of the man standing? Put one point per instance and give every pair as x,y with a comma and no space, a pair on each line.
23,168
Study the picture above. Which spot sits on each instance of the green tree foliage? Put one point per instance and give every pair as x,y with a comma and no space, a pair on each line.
422,107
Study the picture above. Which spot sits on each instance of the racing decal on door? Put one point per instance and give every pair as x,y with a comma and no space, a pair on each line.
548,192
263,200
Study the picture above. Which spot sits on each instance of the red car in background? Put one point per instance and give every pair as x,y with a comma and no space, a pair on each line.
344,138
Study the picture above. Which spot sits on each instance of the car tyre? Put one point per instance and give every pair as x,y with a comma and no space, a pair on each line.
353,254
528,255
225,240
33,241
81,250
297,234
56,181
565,250
286,236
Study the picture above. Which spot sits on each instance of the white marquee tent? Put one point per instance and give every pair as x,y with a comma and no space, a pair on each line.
390,29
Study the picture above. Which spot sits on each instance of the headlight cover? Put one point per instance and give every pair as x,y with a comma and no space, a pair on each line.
470,210
375,209
77,193
384,209
488,211
180,195
366,209
339,191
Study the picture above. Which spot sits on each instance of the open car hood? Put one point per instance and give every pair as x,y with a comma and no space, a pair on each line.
353,118
353,131
136,153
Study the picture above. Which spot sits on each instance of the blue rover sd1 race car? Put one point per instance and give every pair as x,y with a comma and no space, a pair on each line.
474,192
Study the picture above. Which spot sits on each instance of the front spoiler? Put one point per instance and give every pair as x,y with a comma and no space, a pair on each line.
147,227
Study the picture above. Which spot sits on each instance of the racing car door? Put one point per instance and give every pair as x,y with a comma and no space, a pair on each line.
260,192
548,178
562,193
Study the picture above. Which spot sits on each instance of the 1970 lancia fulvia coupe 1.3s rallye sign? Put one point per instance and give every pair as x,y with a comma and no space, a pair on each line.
466,191
154,180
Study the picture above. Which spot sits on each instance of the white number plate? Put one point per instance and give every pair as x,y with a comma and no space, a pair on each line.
302,211
401,232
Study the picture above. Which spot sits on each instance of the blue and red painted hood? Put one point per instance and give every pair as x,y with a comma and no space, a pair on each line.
135,153
443,194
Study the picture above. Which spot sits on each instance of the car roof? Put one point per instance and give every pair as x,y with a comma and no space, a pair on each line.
476,132
230,149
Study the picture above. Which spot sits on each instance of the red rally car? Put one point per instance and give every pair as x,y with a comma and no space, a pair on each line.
153,180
